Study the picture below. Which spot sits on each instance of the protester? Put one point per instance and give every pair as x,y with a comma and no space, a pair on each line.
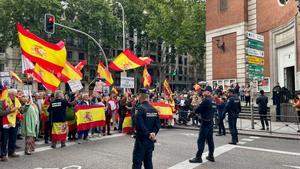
262,102
83,135
248,95
221,106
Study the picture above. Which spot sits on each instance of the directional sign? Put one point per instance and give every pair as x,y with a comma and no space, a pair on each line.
255,68
255,60
254,36
254,44
254,52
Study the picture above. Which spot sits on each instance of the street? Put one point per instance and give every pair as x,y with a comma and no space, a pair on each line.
173,149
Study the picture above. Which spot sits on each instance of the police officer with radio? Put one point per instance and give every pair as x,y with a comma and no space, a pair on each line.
147,127
233,108
205,110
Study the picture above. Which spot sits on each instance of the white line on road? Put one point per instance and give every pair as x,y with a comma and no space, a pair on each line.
269,150
242,143
254,137
187,165
247,139
297,167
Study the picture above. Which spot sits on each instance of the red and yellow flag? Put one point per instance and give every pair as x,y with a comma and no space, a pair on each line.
147,80
59,131
69,73
148,60
125,61
48,55
3,93
167,88
164,110
10,119
80,65
127,124
49,80
103,72
89,116
16,77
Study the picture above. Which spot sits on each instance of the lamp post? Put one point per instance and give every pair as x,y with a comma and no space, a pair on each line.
123,22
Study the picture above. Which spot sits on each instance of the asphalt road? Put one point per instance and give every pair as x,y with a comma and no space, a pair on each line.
172,151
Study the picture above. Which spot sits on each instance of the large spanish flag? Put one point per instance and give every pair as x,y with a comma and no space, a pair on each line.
69,73
89,116
164,110
10,119
59,131
48,55
125,61
127,124
147,80
103,72
49,80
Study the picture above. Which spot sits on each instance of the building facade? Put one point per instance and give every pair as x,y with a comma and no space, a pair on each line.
228,22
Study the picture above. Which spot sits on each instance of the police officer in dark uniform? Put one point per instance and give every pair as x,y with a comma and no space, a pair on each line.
233,108
147,127
206,113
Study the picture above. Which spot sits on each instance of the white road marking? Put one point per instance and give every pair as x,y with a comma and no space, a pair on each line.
242,143
297,167
254,137
247,139
269,150
187,165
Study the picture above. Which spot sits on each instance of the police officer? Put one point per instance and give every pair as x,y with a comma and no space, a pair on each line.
233,108
147,127
206,113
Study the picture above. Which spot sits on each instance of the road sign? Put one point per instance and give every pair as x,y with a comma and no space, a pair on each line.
254,36
127,82
255,60
255,68
254,52
254,44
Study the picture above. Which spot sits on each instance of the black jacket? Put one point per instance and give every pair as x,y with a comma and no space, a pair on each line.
233,106
262,102
205,110
57,110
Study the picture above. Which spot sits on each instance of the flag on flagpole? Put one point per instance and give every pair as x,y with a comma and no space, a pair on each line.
69,73
48,55
126,61
167,88
103,72
49,80
16,77
80,65
147,80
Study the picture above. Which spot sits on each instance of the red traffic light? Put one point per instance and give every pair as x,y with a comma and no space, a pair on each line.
51,19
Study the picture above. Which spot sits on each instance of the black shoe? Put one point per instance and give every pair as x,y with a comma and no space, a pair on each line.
262,129
19,137
232,143
115,129
210,158
53,146
63,145
46,142
268,128
196,160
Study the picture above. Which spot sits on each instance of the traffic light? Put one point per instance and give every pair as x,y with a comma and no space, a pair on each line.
49,23
174,73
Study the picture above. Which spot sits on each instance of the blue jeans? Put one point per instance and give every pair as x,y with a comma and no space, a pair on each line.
8,141
232,127
84,134
206,134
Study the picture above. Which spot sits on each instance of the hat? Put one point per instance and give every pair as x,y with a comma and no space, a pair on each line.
208,88
144,91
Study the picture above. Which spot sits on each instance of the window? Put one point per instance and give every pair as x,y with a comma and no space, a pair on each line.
283,2
180,60
223,5
80,42
180,70
180,78
2,50
185,61
69,55
81,56
185,71
1,67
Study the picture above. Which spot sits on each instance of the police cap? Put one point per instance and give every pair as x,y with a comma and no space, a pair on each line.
144,91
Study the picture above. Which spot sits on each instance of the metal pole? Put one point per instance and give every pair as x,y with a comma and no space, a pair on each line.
251,106
106,62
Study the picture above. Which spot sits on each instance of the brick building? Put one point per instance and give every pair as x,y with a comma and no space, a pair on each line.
227,24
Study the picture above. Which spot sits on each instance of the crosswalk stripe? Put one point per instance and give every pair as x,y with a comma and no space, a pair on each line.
247,139
254,137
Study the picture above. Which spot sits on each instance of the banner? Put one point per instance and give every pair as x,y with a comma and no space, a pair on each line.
89,116
59,131
164,110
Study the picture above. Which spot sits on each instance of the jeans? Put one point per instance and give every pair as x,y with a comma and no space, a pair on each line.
232,127
83,134
221,124
120,127
8,139
264,120
206,134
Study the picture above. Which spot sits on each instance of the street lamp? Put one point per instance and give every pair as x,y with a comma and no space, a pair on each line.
123,22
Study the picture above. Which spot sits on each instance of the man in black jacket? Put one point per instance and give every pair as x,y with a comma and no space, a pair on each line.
262,102
206,130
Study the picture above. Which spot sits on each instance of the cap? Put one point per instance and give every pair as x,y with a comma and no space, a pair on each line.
208,88
144,91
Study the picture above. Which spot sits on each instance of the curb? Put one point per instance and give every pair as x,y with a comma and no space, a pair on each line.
251,133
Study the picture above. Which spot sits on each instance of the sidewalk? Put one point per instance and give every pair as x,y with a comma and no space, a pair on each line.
281,130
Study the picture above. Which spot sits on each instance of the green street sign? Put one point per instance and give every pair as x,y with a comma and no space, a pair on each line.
255,68
255,44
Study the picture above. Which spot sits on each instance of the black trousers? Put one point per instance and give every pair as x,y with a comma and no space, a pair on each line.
142,153
47,131
107,121
206,135
264,120
8,141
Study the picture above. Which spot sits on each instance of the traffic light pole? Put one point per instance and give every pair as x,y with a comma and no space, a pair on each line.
106,62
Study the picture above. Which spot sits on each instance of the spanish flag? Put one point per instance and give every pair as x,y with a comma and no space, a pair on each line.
69,73
147,80
49,80
167,88
3,93
16,77
89,116
59,131
10,119
103,72
80,65
147,60
126,61
48,55
127,124
164,110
